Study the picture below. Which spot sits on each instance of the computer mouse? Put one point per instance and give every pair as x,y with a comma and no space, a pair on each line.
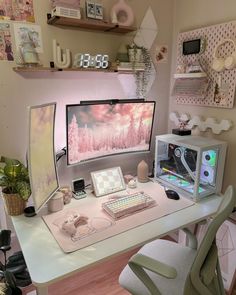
171,194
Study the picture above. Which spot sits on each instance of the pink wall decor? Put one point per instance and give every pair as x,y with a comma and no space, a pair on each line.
222,85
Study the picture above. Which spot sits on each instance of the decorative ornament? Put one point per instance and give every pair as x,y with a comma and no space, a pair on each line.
142,171
61,60
202,124
122,14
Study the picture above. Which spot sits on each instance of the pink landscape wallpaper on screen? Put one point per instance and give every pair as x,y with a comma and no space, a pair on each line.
98,130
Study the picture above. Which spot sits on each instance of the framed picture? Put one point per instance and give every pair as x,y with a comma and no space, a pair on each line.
98,11
226,243
108,181
90,9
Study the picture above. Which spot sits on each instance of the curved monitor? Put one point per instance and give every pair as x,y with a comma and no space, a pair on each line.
104,128
41,156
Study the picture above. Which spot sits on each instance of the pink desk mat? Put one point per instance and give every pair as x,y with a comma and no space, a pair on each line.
100,225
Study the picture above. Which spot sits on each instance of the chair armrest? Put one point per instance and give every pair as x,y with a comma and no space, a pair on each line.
139,262
191,239
154,265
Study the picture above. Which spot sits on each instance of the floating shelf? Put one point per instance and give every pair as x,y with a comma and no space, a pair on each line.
94,25
190,75
47,69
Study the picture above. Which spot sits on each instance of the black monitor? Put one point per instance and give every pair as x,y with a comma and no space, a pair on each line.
104,128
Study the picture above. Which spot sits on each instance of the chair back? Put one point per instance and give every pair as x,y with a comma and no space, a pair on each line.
206,259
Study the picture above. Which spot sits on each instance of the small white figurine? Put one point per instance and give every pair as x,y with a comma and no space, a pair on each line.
132,183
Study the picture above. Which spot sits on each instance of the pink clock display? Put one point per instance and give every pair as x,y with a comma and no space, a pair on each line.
99,61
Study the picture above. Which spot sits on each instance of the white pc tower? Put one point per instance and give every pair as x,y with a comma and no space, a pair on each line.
191,165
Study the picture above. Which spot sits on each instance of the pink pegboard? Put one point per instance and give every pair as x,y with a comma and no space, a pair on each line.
213,35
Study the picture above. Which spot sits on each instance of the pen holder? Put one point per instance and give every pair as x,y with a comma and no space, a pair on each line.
56,203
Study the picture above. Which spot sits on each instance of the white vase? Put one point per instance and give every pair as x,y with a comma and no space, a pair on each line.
122,14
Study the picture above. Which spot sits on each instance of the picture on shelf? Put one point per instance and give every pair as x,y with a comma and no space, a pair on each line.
94,10
90,9
98,11
26,34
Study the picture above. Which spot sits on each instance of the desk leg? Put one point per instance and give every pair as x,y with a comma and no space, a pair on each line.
42,290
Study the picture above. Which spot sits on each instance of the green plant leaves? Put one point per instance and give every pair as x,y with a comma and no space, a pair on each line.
23,189
12,171
14,178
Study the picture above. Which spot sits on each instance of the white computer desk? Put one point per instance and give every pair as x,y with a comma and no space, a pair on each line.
47,263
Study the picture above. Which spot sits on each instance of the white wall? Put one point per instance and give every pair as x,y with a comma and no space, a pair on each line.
189,15
20,91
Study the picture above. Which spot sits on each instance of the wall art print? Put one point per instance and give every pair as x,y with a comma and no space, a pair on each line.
17,10
25,33
6,52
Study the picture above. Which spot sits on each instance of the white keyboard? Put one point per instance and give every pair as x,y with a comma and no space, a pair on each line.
129,204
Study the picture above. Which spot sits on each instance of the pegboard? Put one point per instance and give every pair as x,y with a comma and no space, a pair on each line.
213,35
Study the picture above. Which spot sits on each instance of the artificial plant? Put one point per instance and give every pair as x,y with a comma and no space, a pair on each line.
14,178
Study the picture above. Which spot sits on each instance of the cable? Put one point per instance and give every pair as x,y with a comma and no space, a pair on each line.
179,152
60,154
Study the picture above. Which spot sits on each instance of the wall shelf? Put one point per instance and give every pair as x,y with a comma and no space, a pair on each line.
94,25
47,69
190,75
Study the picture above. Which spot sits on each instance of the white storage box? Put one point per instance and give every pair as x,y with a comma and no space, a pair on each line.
191,165
66,12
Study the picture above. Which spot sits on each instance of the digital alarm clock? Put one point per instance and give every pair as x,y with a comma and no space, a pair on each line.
85,60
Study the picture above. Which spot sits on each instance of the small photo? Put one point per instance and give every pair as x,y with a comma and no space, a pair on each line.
98,11
90,9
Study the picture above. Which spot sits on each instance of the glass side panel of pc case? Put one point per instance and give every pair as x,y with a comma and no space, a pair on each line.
188,170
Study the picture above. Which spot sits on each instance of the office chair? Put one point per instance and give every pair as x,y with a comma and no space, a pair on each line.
13,270
163,267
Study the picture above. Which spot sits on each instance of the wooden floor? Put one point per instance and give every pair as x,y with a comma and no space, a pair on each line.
99,280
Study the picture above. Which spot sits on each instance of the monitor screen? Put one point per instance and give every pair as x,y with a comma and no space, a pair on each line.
41,155
103,129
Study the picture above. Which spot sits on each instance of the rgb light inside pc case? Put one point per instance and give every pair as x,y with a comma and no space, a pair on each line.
194,170
103,129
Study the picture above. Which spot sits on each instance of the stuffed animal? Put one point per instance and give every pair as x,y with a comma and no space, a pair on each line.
72,222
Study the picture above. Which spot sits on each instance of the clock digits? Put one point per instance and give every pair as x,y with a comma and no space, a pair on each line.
98,60
105,59
85,60
101,61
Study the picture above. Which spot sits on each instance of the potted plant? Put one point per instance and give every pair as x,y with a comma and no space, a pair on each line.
15,183
134,53
140,54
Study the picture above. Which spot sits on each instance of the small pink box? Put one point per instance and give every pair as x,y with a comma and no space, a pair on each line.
128,177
